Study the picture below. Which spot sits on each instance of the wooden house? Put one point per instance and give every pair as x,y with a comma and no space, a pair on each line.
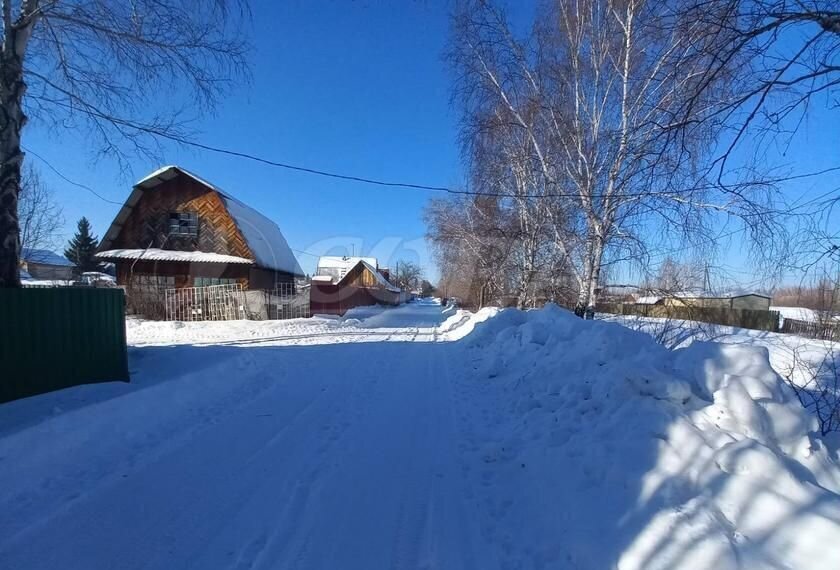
177,230
358,283
43,264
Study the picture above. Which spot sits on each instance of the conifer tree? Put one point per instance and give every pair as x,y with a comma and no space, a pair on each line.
81,249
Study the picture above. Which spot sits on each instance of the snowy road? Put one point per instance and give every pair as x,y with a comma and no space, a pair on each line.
419,437
318,457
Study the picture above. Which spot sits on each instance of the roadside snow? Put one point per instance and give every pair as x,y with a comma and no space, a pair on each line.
500,439
796,313
807,362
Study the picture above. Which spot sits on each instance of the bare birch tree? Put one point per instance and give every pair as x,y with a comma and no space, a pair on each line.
39,214
128,73
787,53
594,91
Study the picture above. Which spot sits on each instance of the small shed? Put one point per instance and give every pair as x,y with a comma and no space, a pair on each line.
45,264
751,300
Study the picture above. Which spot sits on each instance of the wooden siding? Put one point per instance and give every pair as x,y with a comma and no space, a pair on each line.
329,299
148,224
46,271
360,276
184,273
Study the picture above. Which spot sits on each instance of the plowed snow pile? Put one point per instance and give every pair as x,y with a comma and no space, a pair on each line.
594,440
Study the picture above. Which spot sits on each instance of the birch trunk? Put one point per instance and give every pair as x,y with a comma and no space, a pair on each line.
12,119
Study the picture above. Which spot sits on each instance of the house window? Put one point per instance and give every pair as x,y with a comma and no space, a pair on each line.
152,282
183,224
207,281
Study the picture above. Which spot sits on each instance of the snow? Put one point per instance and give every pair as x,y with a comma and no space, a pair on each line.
648,300
343,262
421,436
791,356
93,276
45,282
264,238
802,314
155,254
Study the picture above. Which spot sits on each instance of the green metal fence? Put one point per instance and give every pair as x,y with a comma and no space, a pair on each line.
60,337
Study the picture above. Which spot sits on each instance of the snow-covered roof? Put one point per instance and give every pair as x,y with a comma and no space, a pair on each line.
154,254
723,295
262,236
323,278
648,300
343,262
380,279
45,257
743,293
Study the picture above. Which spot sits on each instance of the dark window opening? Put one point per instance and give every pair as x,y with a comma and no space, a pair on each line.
183,224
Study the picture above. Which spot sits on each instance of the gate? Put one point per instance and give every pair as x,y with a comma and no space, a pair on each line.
288,301
210,303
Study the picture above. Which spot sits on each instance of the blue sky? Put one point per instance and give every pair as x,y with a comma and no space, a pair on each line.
353,87
358,88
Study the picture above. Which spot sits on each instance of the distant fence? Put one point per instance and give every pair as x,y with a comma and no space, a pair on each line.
285,301
60,337
743,318
209,303
822,331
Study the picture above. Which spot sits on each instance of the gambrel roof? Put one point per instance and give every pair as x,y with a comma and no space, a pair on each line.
262,236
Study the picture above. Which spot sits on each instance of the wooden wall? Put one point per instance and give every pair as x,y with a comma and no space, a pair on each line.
148,224
329,299
184,273
360,276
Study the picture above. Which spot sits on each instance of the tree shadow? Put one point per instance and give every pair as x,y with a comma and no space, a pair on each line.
574,450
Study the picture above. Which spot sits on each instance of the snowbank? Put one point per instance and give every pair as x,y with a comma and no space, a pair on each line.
496,439
700,457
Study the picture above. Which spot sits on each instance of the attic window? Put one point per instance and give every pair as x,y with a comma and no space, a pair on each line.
183,224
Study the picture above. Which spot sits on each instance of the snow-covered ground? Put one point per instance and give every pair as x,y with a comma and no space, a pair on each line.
420,437
797,313
810,363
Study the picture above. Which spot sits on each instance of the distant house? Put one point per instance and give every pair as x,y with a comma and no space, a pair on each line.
43,264
342,283
177,230
728,300
337,267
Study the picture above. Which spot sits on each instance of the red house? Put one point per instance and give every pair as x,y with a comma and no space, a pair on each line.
343,283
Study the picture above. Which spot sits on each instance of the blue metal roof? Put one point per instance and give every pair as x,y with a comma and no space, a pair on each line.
44,256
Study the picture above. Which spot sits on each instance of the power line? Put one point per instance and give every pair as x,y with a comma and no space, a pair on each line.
415,186
453,191
305,252
60,175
